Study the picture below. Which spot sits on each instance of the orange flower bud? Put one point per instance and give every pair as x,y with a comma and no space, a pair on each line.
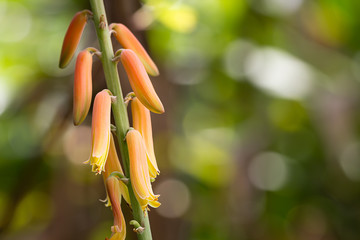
82,86
127,39
142,122
139,171
113,165
100,132
72,37
114,193
140,81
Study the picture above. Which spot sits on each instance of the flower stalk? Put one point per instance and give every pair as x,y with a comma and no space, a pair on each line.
118,107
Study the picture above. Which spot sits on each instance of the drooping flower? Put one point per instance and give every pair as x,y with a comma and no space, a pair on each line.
100,132
139,171
113,165
127,39
142,122
72,37
140,81
114,193
82,86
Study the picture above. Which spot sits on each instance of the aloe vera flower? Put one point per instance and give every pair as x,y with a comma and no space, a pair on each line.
142,122
72,37
82,86
114,193
140,81
139,171
100,131
113,165
127,39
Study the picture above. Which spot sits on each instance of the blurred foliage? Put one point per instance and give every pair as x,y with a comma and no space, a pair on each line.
261,132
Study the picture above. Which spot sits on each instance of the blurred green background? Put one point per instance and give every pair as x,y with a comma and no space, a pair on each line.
260,139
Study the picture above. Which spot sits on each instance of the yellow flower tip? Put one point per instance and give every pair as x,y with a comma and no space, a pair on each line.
127,39
118,236
140,81
100,132
72,37
154,204
139,170
82,86
142,122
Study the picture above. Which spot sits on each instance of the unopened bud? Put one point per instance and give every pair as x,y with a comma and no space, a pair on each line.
127,39
82,86
72,37
140,81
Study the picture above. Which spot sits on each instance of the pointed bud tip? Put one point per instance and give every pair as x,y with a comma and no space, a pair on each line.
160,110
128,40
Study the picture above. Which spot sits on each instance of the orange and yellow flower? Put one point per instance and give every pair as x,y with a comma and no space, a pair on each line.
127,39
114,193
100,132
142,122
82,86
113,165
140,81
139,171
72,37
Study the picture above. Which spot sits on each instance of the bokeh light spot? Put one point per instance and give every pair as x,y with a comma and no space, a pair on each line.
268,171
235,56
276,7
178,17
279,73
77,144
175,198
36,207
16,22
350,161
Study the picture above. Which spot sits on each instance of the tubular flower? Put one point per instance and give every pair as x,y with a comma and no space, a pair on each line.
140,81
82,86
127,39
142,123
139,171
100,132
114,193
113,165
72,37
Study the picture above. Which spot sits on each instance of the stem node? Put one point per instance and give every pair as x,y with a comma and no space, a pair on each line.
102,22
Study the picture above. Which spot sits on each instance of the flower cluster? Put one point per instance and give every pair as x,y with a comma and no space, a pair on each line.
104,158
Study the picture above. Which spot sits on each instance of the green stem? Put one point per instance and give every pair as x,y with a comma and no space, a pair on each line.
118,107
